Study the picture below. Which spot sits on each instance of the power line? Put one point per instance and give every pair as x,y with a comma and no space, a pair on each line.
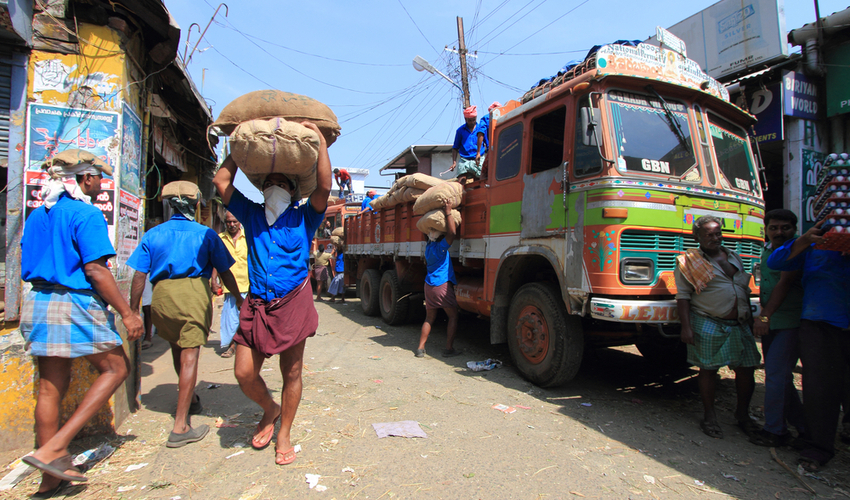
534,53
417,27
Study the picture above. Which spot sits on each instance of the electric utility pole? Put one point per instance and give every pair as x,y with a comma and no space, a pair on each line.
462,53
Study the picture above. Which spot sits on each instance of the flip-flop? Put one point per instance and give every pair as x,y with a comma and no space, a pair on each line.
56,468
711,429
262,445
283,454
449,353
193,435
40,495
420,353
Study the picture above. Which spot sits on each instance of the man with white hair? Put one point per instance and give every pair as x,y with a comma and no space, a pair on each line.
180,256
64,250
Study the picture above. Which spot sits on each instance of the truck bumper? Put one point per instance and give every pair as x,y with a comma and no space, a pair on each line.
643,311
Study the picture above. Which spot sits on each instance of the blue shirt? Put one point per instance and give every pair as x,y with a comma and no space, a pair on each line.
365,205
466,142
59,242
339,265
826,296
483,128
180,248
278,256
439,263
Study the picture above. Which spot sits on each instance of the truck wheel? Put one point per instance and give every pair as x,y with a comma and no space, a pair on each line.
546,343
368,289
393,310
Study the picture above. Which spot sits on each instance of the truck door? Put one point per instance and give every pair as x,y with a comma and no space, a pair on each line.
544,195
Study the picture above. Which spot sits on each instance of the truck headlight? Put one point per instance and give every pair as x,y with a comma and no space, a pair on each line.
637,271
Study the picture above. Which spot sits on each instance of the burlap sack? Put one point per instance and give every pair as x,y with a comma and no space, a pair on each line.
435,220
274,146
265,104
338,243
379,202
437,197
420,181
181,189
411,194
339,232
71,157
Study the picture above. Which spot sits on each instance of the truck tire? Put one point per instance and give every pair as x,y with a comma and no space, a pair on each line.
393,307
368,288
546,343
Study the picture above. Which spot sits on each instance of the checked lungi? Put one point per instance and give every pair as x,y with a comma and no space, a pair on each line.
721,342
66,323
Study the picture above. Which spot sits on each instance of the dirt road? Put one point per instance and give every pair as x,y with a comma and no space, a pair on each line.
621,429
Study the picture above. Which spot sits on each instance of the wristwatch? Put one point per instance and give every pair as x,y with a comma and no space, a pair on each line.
764,319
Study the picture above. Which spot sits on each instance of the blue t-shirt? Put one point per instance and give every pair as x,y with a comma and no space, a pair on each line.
278,256
466,142
826,296
365,205
483,128
180,248
59,242
339,265
439,263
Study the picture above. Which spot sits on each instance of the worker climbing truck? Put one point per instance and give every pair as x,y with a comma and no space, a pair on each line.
570,239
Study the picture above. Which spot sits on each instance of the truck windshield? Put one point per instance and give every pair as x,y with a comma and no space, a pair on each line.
733,155
650,139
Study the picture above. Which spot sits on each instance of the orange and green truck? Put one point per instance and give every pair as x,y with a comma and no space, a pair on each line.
591,186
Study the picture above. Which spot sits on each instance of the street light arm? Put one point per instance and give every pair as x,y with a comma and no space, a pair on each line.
420,64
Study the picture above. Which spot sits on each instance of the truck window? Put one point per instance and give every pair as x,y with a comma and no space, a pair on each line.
586,160
733,155
509,152
652,139
547,146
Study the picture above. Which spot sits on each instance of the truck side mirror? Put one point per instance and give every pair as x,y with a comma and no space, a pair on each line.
588,127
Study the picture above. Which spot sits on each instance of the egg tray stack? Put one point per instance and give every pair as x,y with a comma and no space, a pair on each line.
832,202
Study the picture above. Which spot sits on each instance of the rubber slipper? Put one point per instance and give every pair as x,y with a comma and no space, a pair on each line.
196,434
196,407
748,427
229,352
260,445
420,353
449,353
52,492
280,456
711,429
56,468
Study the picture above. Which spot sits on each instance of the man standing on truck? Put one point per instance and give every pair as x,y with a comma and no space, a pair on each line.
439,287
483,134
713,298
343,180
279,313
466,145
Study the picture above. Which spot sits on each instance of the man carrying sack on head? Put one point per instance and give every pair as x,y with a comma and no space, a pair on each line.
64,250
279,313
180,256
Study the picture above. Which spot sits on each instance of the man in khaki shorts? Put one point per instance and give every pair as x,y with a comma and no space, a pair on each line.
180,256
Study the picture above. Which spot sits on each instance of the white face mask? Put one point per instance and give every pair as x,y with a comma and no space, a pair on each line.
277,200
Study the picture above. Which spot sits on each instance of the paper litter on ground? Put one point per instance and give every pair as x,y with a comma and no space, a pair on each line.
405,428
20,471
504,408
312,480
131,468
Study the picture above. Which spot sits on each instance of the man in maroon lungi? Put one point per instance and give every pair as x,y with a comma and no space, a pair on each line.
279,314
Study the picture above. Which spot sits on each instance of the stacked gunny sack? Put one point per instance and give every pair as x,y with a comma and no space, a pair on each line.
430,195
338,238
266,136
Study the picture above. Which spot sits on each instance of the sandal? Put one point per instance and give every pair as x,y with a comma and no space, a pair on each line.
260,445
711,429
809,464
748,427
229,352
280,456
56,468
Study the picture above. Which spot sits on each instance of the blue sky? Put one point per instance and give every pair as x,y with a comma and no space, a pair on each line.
356,56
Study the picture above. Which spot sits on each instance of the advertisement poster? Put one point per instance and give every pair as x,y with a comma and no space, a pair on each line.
131,151
129,233
53,129
765,102
812,165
